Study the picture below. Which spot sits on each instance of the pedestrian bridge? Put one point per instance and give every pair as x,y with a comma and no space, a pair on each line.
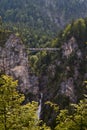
43,49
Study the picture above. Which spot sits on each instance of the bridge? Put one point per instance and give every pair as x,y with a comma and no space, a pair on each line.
43,49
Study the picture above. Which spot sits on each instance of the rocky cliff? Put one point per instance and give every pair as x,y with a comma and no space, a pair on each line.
66,73
63,81
14,62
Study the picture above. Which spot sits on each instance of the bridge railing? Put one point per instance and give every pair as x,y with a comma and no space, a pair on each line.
43,49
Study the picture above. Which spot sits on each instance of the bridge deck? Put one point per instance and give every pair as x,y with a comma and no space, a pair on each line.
43,49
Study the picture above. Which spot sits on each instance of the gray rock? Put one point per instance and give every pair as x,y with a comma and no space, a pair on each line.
14,62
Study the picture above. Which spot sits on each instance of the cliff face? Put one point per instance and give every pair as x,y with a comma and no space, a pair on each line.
14,62
67,72
64,78
64,75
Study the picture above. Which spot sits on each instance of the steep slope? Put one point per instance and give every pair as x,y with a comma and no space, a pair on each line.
43,14
63,80
62,73
14,62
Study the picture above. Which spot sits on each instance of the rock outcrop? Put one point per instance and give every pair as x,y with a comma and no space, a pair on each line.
66,74
14,62
63,81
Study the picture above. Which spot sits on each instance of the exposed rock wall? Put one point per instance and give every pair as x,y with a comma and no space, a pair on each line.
63,81
14,62
66,73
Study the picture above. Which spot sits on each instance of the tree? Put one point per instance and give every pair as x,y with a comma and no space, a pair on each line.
76,120
0,20
10,101
14,115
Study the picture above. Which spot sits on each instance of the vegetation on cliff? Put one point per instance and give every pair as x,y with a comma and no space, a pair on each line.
61,74
15,115
44,15
58,67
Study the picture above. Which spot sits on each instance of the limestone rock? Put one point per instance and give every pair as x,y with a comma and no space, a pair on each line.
14,62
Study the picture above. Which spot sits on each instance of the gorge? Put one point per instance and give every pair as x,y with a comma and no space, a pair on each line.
43,65
62,80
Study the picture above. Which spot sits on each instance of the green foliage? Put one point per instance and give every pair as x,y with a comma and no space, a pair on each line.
77,29
53,105
34,59
46,16
77,120
14,115
9,103
4,33
0,20
27,20
30,37
59,69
